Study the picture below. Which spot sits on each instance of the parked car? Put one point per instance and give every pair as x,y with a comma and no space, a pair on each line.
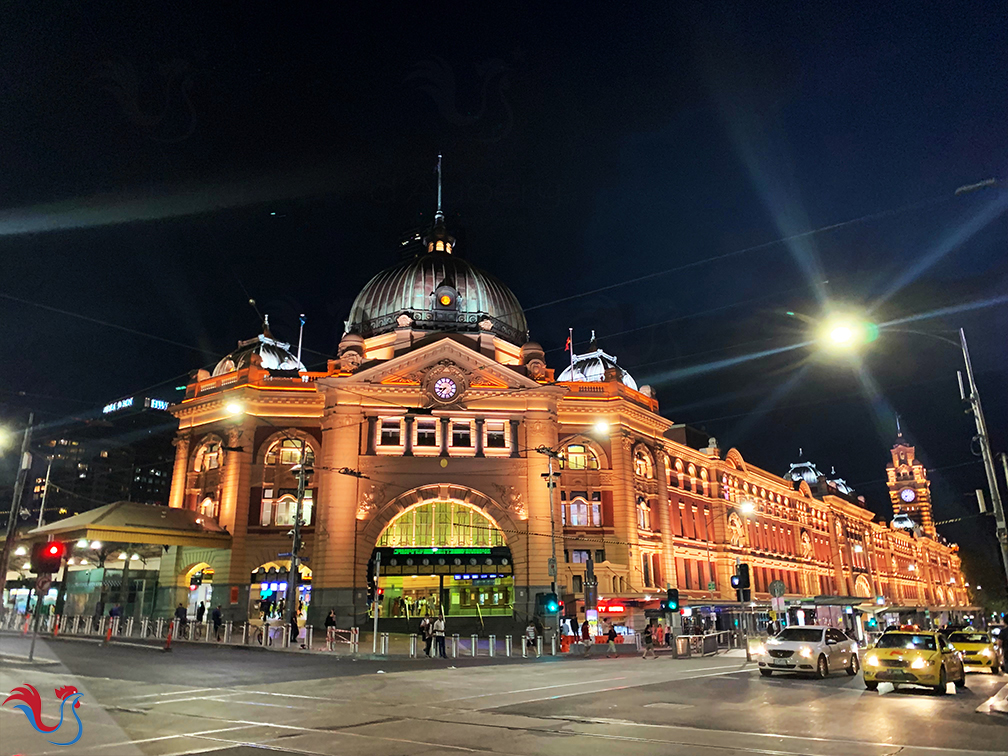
808,648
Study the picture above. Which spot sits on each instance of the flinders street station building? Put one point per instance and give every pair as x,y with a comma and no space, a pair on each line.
431,439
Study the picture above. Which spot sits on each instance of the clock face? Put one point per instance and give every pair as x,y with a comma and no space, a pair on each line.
908,495
445,388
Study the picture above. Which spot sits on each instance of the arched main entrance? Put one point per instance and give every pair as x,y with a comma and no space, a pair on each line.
442,556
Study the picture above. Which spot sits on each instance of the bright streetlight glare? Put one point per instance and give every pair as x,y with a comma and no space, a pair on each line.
842,335
20,551
846,332
82,543
95,545
234,408
602,427
747,507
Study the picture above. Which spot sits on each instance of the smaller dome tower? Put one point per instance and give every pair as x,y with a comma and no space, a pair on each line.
263,351
595,366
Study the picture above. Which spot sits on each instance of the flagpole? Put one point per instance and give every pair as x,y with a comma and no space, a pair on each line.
571,340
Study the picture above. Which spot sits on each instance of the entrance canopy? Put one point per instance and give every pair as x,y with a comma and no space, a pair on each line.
130,522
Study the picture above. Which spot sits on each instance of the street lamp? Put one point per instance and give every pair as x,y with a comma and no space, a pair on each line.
846,332
747,507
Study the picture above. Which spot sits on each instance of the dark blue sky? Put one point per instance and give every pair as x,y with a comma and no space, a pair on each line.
583,147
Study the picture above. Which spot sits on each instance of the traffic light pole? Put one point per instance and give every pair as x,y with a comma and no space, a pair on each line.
36,619
295,573
551,484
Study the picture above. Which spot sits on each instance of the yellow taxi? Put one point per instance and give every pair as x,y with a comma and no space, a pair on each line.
977,649
913,657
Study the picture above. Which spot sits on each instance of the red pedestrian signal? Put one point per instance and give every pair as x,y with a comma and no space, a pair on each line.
47,558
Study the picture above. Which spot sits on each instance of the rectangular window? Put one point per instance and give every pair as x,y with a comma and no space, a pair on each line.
686,565
426,433
461,435
646,565
599,555
579,512
596,514
578,584
580,556
390,432
495,436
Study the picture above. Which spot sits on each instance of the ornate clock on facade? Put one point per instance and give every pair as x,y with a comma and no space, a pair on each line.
445,383
908,495
445,388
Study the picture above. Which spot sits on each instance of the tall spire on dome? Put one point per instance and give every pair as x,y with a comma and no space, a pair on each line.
439,215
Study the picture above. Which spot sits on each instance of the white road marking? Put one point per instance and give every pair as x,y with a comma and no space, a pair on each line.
529,690
170,693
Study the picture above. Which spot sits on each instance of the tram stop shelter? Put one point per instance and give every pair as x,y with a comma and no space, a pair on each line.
125,552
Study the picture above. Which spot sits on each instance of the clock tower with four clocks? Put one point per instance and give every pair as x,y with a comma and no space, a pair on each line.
909,487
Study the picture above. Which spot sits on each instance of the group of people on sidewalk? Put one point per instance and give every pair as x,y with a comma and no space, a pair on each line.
432,630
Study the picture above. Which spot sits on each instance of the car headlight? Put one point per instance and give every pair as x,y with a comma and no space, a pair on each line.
872,661
987,652
760,649
920,663
806,652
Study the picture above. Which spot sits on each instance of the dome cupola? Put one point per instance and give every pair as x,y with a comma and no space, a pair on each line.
263,351
595,366
438,292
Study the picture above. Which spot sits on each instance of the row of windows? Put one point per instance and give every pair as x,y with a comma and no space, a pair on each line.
427,434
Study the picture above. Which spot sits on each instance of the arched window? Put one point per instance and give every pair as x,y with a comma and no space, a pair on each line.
615,584
643,514
287,451
579,457
208,457
208,507
585,514
643,465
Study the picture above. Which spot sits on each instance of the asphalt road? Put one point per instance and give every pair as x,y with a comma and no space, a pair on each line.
199,700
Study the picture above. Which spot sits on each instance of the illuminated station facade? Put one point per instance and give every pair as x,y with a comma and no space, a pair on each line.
423,438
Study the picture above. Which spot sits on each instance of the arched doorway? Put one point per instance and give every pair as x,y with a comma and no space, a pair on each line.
442,556
268,591
199,578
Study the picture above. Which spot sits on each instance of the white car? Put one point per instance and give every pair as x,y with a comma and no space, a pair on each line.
808,648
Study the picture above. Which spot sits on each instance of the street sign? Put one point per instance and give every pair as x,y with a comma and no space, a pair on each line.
711,586
777,588
551,566
42,583
777,604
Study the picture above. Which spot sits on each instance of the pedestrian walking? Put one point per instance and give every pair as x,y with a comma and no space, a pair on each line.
586,639
649,643
427,633
200,611
439,636
180,620
218,619
330,628
530,637
295,631
611,638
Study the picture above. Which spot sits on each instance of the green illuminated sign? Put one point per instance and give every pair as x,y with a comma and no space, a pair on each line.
448,551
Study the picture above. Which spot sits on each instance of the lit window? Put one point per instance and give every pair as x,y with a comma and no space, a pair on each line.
579,556
208,457
461,434
391,432
426,433
579,457
643,514
209,507
495,436
288,452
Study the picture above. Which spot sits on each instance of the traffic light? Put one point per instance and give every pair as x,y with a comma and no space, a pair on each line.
743,575
551,603
872,623
47,557
671,602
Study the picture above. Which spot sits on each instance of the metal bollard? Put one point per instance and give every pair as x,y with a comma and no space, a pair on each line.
507,646
355,640
88,626
384,644
538,645
206,631
553,647
76,624
455,645
227,631
475,643
245,633
493,645
412,646
524,645
160,626
311,637
129,627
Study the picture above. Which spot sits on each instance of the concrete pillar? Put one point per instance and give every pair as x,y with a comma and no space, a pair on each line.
176,497
479,436
372,430
336,542
235,493
540,430
514,439
625,508
445,430
669,576
408,440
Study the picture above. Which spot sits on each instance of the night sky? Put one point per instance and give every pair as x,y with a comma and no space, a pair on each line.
158,168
